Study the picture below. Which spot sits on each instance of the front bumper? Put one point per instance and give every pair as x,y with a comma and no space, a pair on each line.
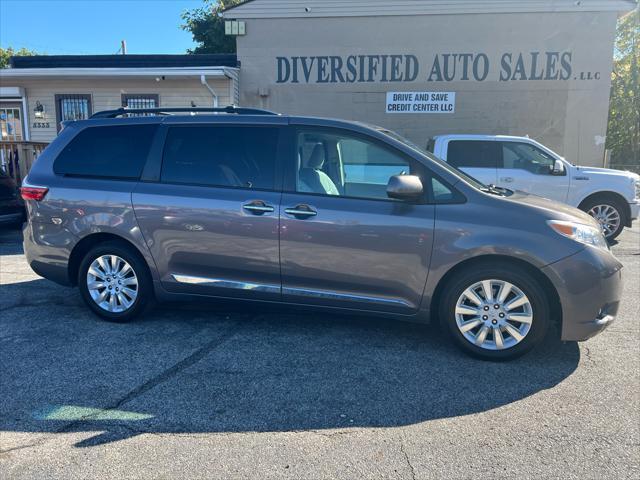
634,209
589,284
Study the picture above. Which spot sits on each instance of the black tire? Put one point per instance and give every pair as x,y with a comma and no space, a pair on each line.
612,202
509,273
144,287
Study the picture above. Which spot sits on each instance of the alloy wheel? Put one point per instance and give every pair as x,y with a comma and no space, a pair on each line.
608,217
112,283
494,314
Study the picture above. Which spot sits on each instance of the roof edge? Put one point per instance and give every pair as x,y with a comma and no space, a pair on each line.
117,72
380,8
124,61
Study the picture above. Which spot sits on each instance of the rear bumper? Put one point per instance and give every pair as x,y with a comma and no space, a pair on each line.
47,249
589,285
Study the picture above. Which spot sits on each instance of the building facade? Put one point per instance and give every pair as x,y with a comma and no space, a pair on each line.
425,68
38,93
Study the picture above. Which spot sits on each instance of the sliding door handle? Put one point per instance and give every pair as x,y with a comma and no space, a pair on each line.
301,211
258,207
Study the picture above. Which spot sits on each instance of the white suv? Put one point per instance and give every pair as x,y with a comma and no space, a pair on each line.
519,163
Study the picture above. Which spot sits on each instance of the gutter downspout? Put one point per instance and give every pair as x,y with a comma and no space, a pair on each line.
203,81
27,118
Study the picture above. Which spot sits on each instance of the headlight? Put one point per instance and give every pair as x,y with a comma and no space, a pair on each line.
587,234
637,184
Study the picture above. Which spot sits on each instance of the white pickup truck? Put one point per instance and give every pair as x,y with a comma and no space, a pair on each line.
519,163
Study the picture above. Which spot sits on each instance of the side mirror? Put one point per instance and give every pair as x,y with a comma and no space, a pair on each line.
405,187
558,168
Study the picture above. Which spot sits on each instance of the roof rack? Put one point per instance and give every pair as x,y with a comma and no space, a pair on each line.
166,111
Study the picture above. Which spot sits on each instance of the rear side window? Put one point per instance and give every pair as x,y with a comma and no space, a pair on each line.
474,154
111,152
222,156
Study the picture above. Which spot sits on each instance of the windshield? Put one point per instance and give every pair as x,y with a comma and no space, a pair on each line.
469,179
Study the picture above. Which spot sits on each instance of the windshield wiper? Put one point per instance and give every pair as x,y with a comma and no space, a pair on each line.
493,190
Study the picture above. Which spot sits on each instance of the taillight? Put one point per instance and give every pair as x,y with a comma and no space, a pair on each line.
33,193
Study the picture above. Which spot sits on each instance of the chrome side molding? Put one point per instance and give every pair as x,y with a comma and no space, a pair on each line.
222,283
329,295
276,289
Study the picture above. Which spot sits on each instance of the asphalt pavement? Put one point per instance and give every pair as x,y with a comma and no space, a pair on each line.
204,391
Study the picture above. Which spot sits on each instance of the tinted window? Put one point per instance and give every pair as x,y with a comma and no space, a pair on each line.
364,162
432,158
474,154
336,163
224,156
441,193
528,157
114,152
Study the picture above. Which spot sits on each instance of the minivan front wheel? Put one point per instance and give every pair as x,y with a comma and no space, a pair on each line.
495,313
114,282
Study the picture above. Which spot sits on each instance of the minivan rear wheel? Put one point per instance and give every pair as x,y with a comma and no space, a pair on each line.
114,282
495,312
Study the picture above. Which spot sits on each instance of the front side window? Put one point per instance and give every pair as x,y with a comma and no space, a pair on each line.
524,156
432,158
111,152
341,164
474,154
72,107
222,156
441,192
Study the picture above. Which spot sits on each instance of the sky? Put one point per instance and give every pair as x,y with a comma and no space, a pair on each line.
65,27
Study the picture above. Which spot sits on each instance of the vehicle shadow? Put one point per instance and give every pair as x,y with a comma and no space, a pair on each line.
208,368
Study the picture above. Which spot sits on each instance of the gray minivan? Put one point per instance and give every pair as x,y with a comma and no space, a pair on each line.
134,206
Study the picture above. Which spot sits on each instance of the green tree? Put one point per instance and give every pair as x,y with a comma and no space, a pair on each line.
623,131
5,53
207,27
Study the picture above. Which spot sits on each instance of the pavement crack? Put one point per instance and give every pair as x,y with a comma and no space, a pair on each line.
326,434
407,460
183,364
59,301
21,447
166,375
587,354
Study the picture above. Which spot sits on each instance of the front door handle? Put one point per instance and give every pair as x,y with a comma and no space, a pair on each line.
258,207
506,179
301,211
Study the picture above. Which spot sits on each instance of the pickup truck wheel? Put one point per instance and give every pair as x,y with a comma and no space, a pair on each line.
495,312
608,213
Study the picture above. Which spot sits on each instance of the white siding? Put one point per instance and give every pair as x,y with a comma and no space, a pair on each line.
106,95
356,8
234,86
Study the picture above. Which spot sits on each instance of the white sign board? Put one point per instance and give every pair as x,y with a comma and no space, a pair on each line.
421,102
